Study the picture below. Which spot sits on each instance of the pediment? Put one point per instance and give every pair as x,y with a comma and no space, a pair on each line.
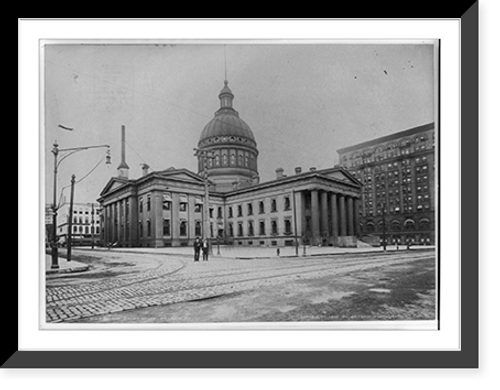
113,184
342,175
182,175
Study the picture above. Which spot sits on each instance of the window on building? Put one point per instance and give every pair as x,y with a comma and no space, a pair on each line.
198,208
211,212
262,228
250,208
219,212
224,160
231,231
166,227
250,228
287,203
274,207
288,226
148,206
197,228
148,228
141,229
274,226
261,207
240,229
230,212
240,211
233,160
183,228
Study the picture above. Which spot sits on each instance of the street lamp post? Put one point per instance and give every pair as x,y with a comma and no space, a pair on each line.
70,220
205,154
69,152
384,239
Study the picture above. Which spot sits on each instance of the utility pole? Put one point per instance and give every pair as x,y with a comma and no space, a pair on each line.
92,228
205,154
295,224
70,222
384,240
68,152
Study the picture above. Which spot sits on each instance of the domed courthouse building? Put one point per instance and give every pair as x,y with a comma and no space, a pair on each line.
166,208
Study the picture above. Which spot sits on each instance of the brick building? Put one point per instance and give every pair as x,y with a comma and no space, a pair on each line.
398,176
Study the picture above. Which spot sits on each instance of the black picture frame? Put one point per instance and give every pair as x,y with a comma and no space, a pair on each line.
465,358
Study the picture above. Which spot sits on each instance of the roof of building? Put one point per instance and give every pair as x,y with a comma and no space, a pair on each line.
376,141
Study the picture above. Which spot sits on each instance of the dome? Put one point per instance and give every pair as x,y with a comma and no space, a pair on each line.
227,126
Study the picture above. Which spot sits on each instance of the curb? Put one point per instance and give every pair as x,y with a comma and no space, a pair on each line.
67,270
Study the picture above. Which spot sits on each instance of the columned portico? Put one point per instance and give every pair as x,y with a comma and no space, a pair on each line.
350,216
335,218
324,218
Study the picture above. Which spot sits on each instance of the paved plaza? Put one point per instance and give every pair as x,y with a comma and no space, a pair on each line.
131,279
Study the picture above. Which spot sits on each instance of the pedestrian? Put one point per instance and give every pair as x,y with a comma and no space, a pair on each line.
204,248
197,247
278,252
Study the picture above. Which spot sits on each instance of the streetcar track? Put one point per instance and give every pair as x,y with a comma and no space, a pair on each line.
158,290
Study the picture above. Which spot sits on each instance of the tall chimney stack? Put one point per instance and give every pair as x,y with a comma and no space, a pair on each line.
123,167
298,170
279,173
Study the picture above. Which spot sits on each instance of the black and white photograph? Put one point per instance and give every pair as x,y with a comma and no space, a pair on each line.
258,184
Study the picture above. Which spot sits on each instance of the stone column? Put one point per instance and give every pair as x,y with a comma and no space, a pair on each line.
357,231
350,216
175,219
335,218
342,212
324,217
315,217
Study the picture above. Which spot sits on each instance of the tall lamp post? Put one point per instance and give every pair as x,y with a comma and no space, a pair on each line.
205,154
56,151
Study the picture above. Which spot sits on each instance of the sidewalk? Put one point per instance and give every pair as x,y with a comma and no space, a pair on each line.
260,252
65,266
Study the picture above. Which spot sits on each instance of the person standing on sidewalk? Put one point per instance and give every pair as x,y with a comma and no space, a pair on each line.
197,247
204,248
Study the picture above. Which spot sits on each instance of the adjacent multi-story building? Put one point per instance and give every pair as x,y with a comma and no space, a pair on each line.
85,223
398,194
165,208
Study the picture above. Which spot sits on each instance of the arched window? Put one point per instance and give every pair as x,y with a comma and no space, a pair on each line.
370,227
240,160
217,160
395,226
233,160
410,224
423,224
224,160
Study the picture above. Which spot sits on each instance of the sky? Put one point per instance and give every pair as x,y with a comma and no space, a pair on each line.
303,102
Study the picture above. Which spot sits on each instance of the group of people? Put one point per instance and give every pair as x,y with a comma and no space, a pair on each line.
200,245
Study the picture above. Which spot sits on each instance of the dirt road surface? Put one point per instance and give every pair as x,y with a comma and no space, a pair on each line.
150,288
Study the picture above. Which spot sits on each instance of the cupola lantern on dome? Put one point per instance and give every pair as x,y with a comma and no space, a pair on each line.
232,145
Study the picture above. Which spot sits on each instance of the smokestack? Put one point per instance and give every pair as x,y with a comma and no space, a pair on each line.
123,167
279,173
298,170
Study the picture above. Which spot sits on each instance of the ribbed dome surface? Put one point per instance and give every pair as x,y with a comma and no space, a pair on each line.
226,123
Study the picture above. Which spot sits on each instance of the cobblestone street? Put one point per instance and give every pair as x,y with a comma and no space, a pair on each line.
121,282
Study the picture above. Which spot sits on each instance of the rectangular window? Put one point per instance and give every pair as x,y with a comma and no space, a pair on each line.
183,229
240,211
250,208
261,207
288,226
183,206
262,228
250,228
148,207
219,212
230,211
287,203
166,227
197,208
274,207
274,226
